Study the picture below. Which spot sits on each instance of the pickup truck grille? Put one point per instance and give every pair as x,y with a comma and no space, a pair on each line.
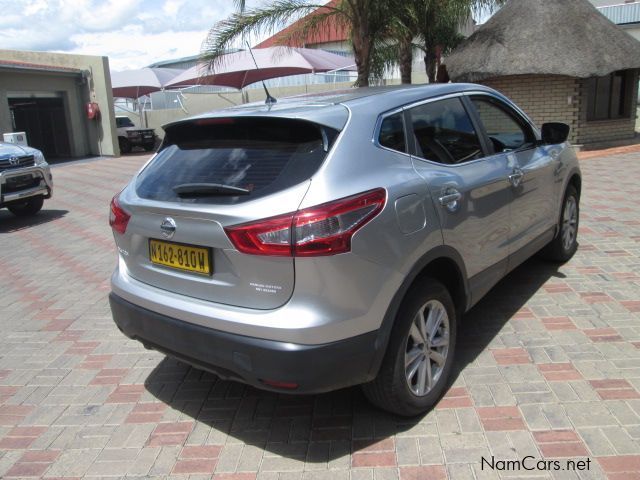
16,162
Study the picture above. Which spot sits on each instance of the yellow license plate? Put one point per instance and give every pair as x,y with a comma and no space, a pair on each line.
182,257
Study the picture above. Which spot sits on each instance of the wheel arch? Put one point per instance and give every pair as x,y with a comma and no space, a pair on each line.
576,180
443,264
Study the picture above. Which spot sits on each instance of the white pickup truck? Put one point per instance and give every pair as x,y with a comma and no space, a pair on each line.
130,136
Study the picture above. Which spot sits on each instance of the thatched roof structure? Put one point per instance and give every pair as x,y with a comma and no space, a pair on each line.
546,37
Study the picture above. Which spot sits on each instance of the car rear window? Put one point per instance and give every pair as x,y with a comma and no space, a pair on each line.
262,155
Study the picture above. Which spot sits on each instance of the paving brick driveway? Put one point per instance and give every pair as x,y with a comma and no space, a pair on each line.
549,366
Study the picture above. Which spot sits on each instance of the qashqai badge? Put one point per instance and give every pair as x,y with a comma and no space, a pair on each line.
168,227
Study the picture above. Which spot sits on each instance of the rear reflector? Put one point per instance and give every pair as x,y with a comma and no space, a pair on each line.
326,229
118,217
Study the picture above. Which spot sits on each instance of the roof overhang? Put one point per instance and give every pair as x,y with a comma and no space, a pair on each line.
9,65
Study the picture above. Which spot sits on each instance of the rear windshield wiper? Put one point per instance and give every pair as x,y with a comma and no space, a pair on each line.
187,190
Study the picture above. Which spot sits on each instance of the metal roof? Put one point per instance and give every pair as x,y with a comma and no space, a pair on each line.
622,14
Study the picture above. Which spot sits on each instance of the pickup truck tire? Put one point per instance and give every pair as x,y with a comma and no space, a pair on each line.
418,362
29,207
125,145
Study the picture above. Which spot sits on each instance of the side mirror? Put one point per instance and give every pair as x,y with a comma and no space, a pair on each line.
554,133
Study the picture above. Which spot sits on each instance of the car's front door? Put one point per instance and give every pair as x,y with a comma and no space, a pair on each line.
469,190
530,177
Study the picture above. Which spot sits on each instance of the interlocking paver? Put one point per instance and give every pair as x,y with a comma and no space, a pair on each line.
548,366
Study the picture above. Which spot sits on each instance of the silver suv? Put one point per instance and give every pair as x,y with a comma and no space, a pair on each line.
25,179
335,240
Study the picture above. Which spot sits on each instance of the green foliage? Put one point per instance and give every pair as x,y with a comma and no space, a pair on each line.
433,23
364,19
381,31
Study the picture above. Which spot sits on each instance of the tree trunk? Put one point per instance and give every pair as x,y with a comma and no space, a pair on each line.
431,63
362,42
406,59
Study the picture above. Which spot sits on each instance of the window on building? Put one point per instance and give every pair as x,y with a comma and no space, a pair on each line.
609,97
444,132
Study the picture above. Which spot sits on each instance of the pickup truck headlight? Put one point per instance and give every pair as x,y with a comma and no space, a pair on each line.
38,157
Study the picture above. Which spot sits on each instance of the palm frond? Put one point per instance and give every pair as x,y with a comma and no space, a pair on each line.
240,26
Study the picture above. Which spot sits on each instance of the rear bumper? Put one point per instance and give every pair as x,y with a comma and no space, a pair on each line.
314,368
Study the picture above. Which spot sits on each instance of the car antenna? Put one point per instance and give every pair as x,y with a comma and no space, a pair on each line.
269,100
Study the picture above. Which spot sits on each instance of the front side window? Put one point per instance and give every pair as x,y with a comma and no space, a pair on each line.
444,133
609,97
392,133
505,131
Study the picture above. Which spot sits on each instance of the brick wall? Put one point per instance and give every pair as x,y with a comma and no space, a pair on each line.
545,98
554,98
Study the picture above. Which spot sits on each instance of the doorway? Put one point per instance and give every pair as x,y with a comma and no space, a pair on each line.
45,123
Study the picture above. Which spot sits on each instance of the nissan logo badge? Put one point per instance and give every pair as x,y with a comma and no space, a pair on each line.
168,227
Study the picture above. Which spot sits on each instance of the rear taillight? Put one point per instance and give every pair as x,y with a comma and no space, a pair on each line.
323,230
118,217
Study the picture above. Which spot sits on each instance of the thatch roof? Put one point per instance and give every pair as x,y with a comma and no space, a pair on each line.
552,37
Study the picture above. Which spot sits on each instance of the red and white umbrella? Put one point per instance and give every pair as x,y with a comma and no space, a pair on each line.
238,69
142,81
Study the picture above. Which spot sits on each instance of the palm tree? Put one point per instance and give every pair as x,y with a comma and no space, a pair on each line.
435,24
365,20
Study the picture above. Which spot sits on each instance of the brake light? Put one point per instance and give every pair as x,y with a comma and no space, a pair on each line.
118,217
326,229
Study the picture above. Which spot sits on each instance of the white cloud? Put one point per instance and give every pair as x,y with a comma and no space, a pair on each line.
132,33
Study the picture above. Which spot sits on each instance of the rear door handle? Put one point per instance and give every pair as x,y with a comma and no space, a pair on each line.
450,199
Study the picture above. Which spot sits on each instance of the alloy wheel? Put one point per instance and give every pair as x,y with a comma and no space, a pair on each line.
427,347
569,222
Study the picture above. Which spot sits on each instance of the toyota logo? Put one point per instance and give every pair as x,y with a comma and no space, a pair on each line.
168,227
13,160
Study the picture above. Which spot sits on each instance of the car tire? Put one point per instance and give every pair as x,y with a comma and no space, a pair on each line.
125,145
410,380
29,207
565,244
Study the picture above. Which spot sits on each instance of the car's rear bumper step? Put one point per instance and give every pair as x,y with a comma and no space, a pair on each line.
313,368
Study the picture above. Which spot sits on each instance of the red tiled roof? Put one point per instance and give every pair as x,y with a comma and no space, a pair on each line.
36,66
334,32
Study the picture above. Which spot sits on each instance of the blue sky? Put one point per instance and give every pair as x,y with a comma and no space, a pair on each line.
132,33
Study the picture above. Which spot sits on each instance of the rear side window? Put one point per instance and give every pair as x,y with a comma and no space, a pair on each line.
259,155
444,132
392,133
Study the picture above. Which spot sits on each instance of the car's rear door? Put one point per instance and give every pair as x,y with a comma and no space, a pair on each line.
469,190
531,170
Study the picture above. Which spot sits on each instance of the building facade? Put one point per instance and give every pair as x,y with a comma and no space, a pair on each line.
582,72
47,94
